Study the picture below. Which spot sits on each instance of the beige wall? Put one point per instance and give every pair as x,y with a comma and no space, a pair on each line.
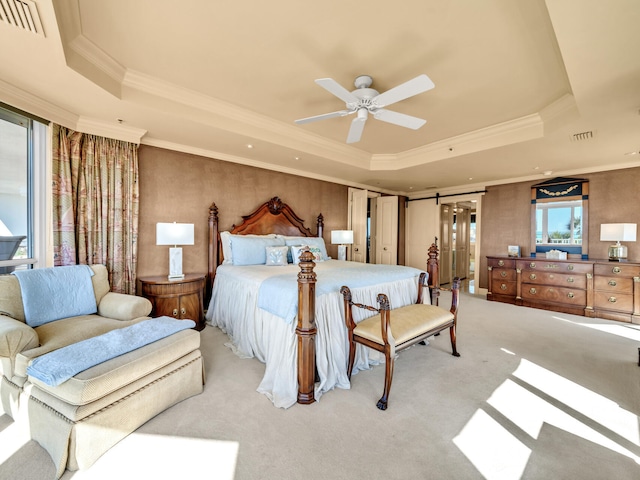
178,187
614,197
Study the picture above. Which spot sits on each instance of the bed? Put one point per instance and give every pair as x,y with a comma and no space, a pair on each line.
290,316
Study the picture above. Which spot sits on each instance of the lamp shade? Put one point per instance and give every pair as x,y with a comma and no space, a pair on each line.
618,232
342,237
174,234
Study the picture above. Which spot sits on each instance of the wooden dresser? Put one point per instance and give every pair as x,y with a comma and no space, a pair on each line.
594,288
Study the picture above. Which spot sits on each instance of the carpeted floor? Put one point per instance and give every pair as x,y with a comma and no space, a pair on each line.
535,395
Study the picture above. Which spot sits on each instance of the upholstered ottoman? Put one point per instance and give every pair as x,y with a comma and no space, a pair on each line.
80,419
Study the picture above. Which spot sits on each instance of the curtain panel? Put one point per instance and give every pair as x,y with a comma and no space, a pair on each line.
96,204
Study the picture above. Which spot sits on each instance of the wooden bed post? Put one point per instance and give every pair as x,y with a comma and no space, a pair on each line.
432,270
213,251
306,330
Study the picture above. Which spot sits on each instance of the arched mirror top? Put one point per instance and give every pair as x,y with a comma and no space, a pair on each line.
559,218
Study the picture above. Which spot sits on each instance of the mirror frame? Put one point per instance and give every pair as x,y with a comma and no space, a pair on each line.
562,189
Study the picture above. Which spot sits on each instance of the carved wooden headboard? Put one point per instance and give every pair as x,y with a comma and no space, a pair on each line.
273,216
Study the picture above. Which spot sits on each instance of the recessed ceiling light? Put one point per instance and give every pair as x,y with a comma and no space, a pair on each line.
632,153
547,172
536,168
470,178
249,145
296,158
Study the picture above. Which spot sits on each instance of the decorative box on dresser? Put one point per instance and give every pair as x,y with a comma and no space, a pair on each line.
594,288
182,299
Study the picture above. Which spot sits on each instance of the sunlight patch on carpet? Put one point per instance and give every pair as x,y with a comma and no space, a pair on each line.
494,451
162,456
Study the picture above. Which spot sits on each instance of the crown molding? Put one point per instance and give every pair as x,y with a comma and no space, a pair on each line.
110,130
521,129
35,105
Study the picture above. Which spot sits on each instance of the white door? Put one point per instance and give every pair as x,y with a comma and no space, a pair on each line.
358,219
387,230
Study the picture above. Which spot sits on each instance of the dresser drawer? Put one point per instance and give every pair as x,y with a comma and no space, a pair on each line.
551,266
616,270
502,275
611,301
567,296
504,288
506,263
613,284
578,281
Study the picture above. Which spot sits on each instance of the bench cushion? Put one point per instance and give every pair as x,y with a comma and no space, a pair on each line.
406,323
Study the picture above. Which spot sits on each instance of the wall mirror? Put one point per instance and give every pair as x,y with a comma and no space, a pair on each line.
559,217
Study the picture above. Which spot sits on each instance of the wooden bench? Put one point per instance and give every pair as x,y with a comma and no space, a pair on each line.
398,328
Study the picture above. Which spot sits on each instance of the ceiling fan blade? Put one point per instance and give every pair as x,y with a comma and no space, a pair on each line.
333,87
399,119
324,116
357,126
420,84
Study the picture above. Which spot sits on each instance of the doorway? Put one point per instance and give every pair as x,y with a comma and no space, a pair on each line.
458,242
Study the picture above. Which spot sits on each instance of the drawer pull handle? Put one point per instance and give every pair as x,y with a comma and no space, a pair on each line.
503,274
532,265
532,276
616,270
570,280
612,283
569,267
183,311
175,312
500,263
532,291
503,287
612,299
570,295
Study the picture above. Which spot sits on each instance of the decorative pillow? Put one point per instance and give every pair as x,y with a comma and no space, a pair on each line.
250,250
296,251
317,254
277,255
310,241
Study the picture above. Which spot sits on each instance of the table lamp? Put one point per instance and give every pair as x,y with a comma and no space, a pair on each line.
342,238
174,234
617,232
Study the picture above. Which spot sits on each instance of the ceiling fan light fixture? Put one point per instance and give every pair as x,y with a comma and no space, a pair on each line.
364,100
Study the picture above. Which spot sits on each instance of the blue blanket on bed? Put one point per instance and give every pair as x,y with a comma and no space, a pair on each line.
50,294
60,365
279,294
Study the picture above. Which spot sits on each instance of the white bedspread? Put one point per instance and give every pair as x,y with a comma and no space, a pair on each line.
257,333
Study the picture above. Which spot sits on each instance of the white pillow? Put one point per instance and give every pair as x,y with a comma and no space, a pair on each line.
277,255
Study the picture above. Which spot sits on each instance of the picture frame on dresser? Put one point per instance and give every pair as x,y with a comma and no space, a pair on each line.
513,251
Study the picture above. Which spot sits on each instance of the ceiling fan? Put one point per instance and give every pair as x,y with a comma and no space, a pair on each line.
365,100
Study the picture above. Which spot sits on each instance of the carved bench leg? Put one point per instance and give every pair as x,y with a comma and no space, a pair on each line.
352,355
452,333
388,377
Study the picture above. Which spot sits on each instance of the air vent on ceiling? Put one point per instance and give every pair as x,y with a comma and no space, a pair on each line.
22,14
579,137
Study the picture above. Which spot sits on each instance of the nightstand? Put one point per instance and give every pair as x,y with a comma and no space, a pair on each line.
182,299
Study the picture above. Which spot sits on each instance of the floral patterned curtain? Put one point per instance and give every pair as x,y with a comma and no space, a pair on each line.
95,204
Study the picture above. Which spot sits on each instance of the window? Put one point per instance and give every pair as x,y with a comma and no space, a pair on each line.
22,192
